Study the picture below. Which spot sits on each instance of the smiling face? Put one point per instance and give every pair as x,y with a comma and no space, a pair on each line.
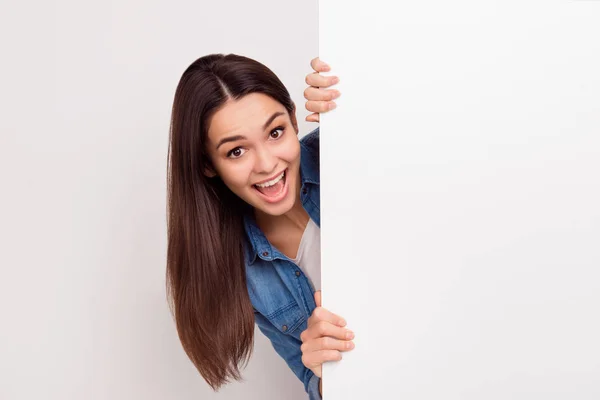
254,148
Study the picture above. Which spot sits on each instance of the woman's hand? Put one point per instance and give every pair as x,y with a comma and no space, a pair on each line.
319,100
324,339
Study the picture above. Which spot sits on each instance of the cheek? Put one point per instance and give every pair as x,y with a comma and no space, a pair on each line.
235,175
291,153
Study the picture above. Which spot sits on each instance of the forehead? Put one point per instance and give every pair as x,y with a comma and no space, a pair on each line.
245,115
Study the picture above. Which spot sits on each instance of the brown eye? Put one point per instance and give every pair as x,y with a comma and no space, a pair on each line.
235,153
277,135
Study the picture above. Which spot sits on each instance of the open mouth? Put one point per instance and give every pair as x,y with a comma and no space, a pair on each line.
275,189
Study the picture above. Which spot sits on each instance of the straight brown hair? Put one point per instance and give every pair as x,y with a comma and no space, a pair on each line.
206,278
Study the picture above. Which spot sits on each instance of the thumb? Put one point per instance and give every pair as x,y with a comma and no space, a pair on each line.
318,298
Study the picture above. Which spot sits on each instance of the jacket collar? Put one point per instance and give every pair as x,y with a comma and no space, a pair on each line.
258,243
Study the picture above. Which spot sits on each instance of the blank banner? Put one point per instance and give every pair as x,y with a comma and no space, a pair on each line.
460,184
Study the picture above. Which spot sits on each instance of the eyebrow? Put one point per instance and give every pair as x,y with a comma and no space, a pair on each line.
240,137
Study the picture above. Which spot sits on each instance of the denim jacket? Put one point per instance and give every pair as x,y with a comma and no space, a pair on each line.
280,292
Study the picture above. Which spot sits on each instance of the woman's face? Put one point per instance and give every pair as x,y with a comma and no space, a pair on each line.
254,147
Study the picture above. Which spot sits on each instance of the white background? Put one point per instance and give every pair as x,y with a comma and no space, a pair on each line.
460,191
85,98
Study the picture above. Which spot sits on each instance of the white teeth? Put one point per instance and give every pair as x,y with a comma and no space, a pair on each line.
271,182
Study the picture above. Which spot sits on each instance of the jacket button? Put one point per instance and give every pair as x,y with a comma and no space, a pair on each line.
265,253
285,328
297,273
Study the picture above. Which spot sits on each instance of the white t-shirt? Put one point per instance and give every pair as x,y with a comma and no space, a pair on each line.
309,254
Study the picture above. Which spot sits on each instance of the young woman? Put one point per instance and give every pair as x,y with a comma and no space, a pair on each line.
243,221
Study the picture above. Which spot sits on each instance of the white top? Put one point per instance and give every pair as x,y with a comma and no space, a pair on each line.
309,254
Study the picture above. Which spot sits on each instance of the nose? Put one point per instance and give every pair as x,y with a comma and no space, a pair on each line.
266,161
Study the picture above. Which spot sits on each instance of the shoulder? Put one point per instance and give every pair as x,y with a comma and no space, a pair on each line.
309,144
311,141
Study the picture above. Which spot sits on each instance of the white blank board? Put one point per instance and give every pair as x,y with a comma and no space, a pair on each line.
461,198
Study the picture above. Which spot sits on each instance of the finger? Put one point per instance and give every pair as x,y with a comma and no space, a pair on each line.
317,94
317,358
325,328
322,314
326,343
318,371
318,298
320,106
314,117
317,80
318,65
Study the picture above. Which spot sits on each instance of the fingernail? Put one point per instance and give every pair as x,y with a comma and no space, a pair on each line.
335,80
349,345
349,335
342,322
326,67
332,106
336,94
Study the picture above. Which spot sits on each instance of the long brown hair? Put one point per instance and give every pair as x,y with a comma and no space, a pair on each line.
206,280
